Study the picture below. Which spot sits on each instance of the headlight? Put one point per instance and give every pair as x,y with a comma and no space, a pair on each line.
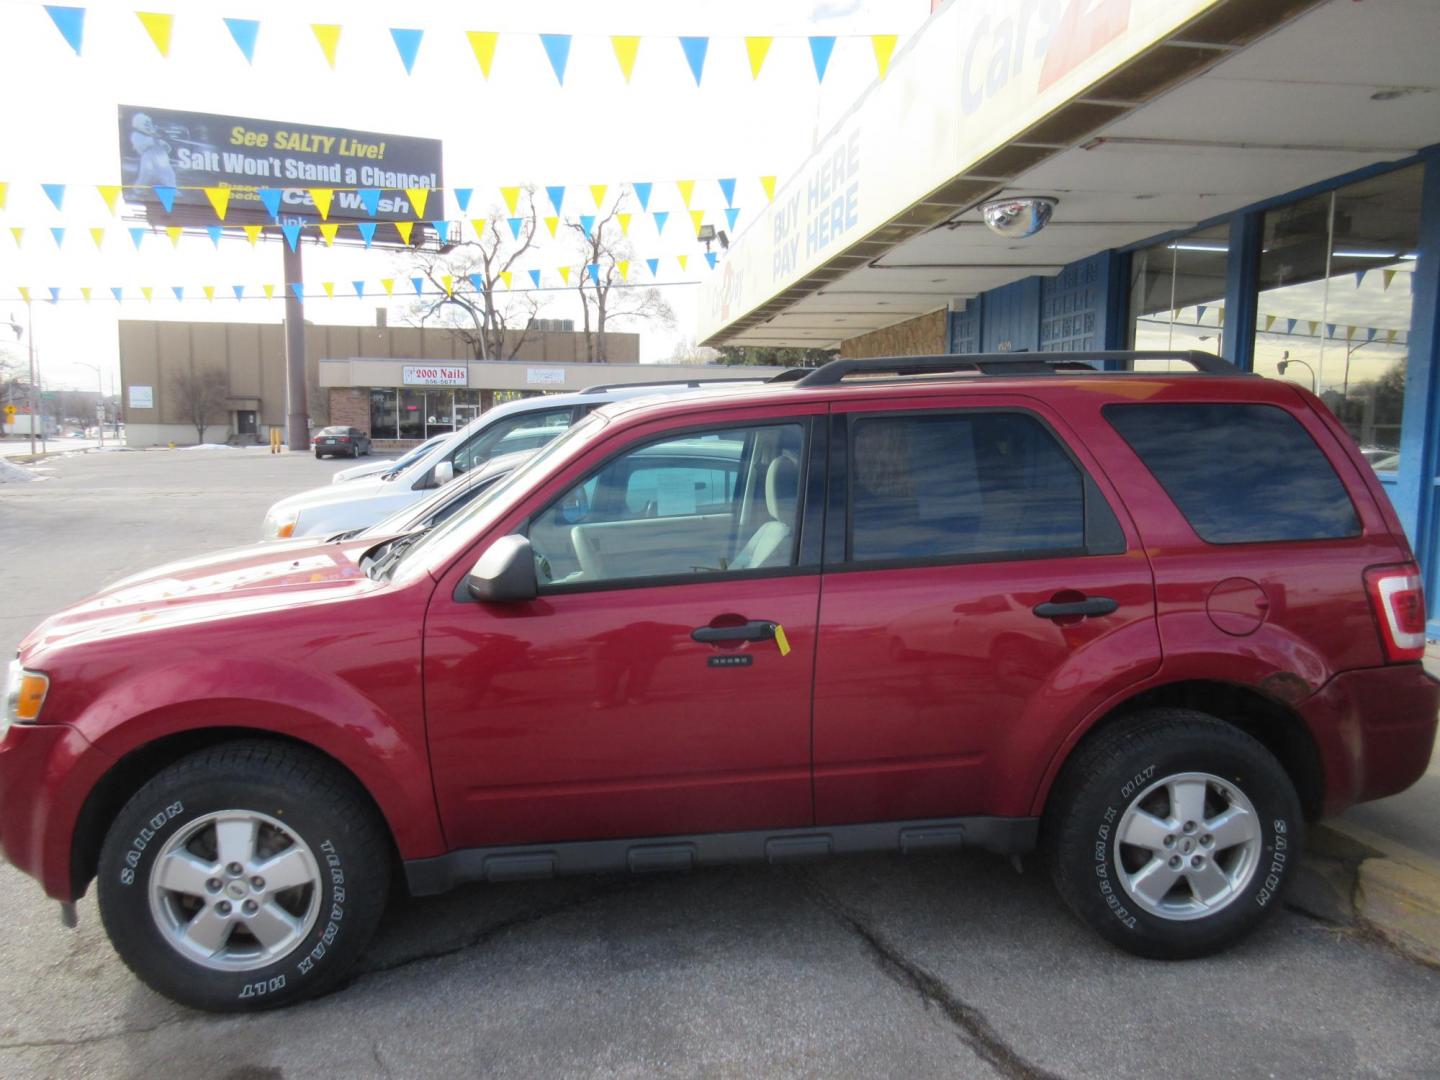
24,694
280,526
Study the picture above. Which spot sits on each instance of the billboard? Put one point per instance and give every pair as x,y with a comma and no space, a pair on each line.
191,151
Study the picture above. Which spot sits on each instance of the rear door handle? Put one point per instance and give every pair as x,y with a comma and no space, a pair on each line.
1092,605
755,630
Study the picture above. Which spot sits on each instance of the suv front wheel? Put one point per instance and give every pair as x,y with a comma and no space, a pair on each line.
1173,834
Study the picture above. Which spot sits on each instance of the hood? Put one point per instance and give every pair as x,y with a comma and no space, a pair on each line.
230,584
362,488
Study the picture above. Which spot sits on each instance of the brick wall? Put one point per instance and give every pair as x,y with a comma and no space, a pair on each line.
350,407
924,335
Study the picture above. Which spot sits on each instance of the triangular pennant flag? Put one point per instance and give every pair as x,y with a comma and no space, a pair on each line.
209,291
482,42
449,283
269,291
557,48
1389,337
1359,278
404,228
98,235
117,292
1370,333
626,47
298,289
1387,276
329,287
768,183
462,198
624,220
564,274
418,284
85,295
328,35
623,266
687,191
407,44
683,260
1330,329
219,200
1269,322
642,194
1220,316
478,225
419,196
24,293
56,194
511,195
388,284
19,234
109,192
1350,332
59,234
820,49
70,21
5,191
1290,325
477,282
270,199
515,224
557,197
695,48
505,276
166,195
587,223
370,199
147,292
710,258
54,294
252,233
367,231
534,277
654,265
174,232
697,217
158,26
884,46
179,291
328,231
359,287
244,31
756,48
239,291
215,232
291,230
593,269
137,234
552,223
442,230
661,216
731,216
322,198
1314,326
597,192
727,189
1200,314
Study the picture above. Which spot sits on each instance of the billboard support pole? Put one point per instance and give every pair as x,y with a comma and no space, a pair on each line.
297,408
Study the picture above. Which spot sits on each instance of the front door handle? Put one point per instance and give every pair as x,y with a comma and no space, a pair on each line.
755,630
1091,605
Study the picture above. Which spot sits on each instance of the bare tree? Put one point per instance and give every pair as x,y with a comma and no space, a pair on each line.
200,397
687,352
493,323
605,296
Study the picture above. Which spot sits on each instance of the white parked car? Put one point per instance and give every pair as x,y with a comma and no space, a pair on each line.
384,465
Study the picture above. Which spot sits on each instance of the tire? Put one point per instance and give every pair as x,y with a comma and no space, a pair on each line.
314,930
1166,762
318,456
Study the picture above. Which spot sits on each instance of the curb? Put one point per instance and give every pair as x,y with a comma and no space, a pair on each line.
1397,892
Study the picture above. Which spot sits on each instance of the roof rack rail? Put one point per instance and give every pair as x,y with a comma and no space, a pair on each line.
1044,363
600,388
794,374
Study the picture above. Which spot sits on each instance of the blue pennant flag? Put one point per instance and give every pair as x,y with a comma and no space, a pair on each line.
661,216
477,282
462,198
291,230
179,291
1329,329
557,48
54,294
587,222
367,231
654,265
359,287
593,269
1359,278
56,193
419,284
117,292
515,224
245,31
70,21
535,278
215,232
407,44
166,195
731,216
1290,325
1200,314
370,199
239,291
557,197
270,197
820,50
727,188
442,230
137,234
642,193
695,48
299,290
1370,333
59,235
710,258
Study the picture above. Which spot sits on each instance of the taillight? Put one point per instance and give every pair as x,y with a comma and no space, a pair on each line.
1398,598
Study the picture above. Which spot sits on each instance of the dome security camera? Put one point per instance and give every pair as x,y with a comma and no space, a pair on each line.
1019,217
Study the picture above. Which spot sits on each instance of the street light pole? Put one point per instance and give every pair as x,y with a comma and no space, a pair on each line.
100,401
1283,364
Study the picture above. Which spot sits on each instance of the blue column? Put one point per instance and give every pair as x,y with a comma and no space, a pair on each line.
1242,280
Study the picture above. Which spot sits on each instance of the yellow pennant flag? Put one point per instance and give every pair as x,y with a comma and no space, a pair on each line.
220,200
109,192
322,198
328,35
174,231
1269,321
682,260
5,191
1349,332
404,228
389,285
449,283
269,292
686,189
98,235
24,293
328,231
483,43
18,233
1389,337
624,220
512,198
478,224
505,276
697,217
329,287
756,48
85,292
552,223
209,291
597,192
419,196
626,47
1389,276
1314,326
158,26
624,267
768,183
252,233
884,46
147,292
564,274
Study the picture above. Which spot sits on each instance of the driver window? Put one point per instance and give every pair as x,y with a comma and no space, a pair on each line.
701,503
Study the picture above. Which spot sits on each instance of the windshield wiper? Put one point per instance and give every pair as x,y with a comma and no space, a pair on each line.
394,549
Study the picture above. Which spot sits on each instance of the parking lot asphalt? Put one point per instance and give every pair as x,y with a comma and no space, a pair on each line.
927,966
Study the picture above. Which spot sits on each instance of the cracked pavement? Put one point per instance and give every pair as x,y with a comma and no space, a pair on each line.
884,966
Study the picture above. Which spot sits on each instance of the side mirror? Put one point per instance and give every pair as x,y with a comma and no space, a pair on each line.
505,574
443,473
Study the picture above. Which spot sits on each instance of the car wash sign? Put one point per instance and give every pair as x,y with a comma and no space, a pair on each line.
182,153
434,375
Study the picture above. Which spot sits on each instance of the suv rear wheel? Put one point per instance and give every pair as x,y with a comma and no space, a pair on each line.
243,877
1174,834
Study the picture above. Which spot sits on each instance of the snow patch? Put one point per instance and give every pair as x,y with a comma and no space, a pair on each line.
14,474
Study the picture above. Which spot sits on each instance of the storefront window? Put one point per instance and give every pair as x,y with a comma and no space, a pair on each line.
383,419
412,414
1335,300
1177,295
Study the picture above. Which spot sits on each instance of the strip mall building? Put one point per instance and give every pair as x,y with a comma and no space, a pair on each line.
1256,178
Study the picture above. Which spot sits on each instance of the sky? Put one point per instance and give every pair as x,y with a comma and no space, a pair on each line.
517,127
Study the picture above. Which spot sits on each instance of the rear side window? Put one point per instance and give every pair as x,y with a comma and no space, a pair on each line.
1239,473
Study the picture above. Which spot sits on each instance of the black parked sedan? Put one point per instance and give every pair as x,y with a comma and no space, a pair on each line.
341,441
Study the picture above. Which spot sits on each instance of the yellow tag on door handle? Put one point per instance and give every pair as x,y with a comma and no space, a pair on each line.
781,640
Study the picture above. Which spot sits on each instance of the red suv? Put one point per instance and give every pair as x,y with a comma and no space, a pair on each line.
1149,622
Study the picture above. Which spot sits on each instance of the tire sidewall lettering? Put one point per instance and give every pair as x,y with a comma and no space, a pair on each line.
156,824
